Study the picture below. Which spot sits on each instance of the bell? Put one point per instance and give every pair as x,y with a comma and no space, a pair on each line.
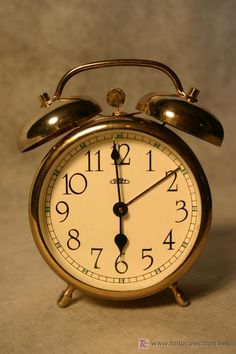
183,115
55,119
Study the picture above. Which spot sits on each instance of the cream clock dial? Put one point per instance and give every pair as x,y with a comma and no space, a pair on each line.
121,209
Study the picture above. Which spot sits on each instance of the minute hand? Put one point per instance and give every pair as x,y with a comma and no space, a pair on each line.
153,186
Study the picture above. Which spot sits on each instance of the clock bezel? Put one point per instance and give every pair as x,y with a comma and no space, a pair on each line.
142,125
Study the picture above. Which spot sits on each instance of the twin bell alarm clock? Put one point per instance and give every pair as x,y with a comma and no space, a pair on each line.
120,207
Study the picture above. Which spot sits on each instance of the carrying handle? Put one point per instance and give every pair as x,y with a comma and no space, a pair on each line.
119,62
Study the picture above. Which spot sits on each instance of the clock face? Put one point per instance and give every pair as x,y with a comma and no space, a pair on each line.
121,210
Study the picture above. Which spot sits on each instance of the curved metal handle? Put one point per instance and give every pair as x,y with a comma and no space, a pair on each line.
119,62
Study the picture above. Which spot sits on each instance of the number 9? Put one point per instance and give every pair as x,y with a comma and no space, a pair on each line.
63,209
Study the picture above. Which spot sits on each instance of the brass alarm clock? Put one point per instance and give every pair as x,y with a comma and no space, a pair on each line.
120,207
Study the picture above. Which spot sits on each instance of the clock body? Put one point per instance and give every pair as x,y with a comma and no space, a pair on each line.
157,178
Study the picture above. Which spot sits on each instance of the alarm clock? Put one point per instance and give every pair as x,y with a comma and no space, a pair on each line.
120,207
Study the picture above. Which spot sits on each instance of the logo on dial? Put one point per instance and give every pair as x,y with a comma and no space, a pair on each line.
120,181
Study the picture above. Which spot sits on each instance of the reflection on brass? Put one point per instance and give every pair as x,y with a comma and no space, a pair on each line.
45,99
115,97
183,115
120,62
193,94
65,297
180,298
60,115
56,119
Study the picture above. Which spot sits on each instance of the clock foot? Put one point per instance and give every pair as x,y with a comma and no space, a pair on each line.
65,297
180,298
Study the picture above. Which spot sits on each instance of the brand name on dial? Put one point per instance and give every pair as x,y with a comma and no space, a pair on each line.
120,181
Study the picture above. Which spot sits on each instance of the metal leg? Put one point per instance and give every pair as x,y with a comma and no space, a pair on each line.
180,298
65,297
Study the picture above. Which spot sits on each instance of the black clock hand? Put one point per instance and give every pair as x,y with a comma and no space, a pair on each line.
119,209
120,239
115,155
160,181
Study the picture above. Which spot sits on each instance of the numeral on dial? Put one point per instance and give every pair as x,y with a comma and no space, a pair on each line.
149,154
76,184
73,243
148,256
99,250
120,265
97,163
182,205
123,151
173,187
169,240
63,209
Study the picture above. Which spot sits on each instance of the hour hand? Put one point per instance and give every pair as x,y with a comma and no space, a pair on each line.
115,155
121,241
120,209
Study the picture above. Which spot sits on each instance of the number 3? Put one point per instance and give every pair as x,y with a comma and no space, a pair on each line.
182,207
